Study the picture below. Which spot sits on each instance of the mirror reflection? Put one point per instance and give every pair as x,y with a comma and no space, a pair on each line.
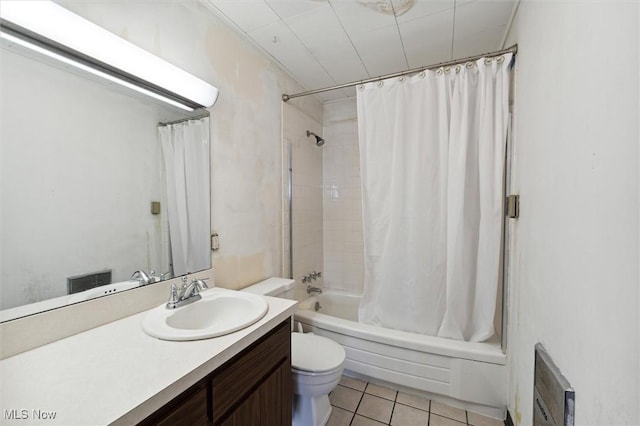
86,210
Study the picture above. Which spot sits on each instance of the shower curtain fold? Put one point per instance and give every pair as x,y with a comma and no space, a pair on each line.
432,161
185,148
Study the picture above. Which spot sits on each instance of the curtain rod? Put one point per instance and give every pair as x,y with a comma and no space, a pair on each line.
182,120
513,49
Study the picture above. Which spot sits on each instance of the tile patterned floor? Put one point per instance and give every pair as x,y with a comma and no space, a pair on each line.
359,403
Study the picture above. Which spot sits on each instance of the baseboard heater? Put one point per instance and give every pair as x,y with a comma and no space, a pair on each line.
553,396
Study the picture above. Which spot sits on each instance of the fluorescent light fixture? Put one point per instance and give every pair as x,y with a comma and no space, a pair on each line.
91,70
52,30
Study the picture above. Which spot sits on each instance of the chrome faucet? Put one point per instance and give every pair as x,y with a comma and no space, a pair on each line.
312,290
185,294
142,277
311,277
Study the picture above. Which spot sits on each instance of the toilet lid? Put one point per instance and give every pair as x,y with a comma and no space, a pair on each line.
315,353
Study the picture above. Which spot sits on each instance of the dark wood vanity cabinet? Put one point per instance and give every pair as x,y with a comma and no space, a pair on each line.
252,388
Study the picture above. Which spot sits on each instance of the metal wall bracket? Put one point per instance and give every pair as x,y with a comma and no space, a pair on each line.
215,241
513,206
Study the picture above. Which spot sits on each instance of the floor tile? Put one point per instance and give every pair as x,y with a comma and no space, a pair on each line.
339,417
436,420
404,415
448,411
376,408
381,391
352,383
413,401
476,419
363,421
345,398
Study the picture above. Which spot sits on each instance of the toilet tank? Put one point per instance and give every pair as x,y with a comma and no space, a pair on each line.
274,286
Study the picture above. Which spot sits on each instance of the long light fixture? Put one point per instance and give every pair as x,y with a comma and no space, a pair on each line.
51,30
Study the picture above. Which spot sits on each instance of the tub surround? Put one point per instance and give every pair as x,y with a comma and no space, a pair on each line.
116,374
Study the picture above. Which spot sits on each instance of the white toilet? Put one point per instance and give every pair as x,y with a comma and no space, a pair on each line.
316,364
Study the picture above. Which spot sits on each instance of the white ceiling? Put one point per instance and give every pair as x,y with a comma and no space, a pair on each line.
327,42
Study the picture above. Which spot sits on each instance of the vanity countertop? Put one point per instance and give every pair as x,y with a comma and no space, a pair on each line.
115,374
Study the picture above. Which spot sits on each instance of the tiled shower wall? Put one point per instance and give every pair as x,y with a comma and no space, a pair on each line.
307,197
342,198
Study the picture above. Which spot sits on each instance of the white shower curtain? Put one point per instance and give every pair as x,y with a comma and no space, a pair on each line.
432,149
185,148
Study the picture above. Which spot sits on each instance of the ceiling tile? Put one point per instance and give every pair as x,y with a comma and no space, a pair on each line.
381,50
478,43
319,29
287,49
357,18
289,8
342,64
246,14
326,42
317,81
427,40
425,8
482,15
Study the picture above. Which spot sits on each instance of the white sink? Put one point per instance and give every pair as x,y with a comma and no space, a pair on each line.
219,312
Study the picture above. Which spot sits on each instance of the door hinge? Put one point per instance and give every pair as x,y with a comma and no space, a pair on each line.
513,206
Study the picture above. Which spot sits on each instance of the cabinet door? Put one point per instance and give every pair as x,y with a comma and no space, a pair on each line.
266,405
239,379
187,410
276,397
247,413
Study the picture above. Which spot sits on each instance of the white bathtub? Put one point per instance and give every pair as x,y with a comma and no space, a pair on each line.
470,375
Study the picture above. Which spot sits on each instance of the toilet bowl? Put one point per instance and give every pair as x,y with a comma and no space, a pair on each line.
316,364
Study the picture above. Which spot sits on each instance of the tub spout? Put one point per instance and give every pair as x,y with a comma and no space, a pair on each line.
312,290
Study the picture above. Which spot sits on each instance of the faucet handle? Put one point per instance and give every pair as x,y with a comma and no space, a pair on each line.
173,297
153,278
199,285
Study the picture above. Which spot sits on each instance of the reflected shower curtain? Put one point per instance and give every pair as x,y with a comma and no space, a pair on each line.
432,149
185,148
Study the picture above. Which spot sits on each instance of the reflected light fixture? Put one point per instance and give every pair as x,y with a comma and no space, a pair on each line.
49,29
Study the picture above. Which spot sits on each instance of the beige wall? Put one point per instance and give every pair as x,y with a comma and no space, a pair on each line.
245,123
574,252
246,145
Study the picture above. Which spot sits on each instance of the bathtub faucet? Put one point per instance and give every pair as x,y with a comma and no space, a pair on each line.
311,277
311,290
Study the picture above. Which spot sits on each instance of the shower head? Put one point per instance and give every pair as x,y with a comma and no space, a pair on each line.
319,140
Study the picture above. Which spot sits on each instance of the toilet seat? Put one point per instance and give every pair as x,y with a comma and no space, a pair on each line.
315,355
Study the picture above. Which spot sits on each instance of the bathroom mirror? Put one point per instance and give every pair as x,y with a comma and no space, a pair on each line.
83,186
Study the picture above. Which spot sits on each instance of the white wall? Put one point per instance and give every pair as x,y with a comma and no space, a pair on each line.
80,167
245,123
343,243
574,277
